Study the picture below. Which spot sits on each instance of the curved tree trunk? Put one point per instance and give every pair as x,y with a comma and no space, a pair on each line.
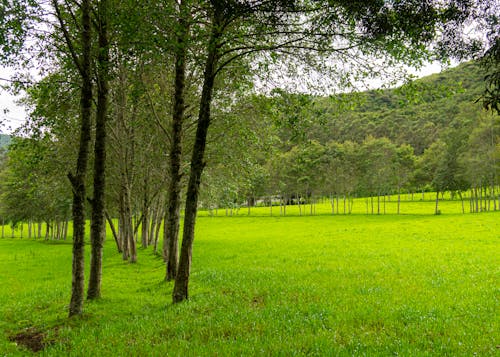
180,292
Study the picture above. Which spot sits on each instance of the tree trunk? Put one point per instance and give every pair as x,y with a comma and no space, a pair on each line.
98,225
311,208
436,211
298,202
399,200
123,225
462,200
66,221
493,196
174,201
145,222
113,231
180,292
78,180
130,227
159,215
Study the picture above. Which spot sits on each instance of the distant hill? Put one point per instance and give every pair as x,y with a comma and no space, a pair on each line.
414,114
4,140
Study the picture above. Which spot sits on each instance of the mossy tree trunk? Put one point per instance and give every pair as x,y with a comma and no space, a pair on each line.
98,225
180,292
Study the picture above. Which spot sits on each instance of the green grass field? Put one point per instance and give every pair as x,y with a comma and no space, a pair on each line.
407,285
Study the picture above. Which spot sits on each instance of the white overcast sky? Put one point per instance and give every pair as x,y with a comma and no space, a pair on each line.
12,115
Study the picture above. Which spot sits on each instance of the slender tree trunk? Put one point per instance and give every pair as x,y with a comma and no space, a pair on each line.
461,200
298,202
113,231
123,224
159,215
311,208
493,196
98,225
145,215
399,199
131,231
174,200
180,292
78,179
436,211
66,221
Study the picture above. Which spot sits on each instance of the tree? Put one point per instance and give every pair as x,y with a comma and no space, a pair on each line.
174,190
345,29
98,226
80,51
481,159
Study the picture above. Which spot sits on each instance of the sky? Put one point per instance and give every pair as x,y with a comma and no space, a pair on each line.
12,115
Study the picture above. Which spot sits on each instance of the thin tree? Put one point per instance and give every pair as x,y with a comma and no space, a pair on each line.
82,61
98,226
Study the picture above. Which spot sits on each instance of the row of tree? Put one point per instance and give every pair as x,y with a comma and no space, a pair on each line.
148,80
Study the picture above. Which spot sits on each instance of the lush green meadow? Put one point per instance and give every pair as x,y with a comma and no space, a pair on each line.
413,284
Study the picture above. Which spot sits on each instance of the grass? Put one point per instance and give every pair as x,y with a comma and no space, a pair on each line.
320,285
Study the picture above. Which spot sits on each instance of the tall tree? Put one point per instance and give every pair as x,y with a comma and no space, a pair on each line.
174,190
98,225
346,29
81,54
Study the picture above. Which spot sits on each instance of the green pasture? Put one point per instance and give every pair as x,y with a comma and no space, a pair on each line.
409,285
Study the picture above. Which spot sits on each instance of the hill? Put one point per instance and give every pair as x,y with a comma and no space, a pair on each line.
414,114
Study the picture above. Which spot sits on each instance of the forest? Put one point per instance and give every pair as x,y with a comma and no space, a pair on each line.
363,217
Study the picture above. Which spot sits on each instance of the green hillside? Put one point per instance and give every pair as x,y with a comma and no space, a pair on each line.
414,114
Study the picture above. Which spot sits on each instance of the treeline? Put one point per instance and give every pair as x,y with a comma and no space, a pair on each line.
286,148
428,135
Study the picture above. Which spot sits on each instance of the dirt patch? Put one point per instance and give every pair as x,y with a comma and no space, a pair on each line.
31,338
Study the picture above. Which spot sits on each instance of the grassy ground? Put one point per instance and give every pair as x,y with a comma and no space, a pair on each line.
321,285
